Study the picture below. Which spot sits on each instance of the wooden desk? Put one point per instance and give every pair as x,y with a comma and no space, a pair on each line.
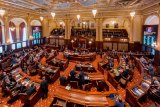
51,56
85,68
33,99
48,69
63,64
83,57
84,98
131,97
102,65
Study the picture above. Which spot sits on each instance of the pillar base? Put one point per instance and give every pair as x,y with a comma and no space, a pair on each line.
68,43
99,44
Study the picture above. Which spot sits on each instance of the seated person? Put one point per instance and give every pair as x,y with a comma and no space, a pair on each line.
7,83
19,86
110,64
63,80
81,78
79,65
30,90
13,61
90,68
125,73
143,60
119,103
72,75
76,51
156,83
150,69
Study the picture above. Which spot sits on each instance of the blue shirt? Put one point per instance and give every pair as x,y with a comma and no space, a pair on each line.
119,104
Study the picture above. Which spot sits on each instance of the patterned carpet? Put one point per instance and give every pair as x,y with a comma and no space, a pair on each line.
52,87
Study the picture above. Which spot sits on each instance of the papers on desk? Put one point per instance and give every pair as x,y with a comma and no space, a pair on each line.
14,71
18,77
68,87
86,78
145,85
137,91
26,81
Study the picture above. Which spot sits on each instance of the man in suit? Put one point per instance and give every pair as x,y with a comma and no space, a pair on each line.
81,79
63,80
44,88
31,90
72,75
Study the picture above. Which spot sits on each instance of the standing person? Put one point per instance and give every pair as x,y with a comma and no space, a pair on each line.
44,88
101,53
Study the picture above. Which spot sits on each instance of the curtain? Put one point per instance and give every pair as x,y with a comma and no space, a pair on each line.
22,31
1,37
13,32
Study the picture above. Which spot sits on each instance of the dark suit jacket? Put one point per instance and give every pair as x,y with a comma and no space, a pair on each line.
44,86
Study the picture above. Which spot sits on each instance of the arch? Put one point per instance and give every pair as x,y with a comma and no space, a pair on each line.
152,20
2,36
120,20
36,23
20,32
52,25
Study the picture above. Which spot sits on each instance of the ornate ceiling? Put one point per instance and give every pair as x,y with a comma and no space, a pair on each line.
61,6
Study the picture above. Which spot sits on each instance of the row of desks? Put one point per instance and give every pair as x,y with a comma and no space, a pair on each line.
83,97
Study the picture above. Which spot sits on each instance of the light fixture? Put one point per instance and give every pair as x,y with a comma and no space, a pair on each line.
154,44
53,14
90,42
132,14
41,18
72,41
94,12
12,27
78,16
113,22
84,23
2,12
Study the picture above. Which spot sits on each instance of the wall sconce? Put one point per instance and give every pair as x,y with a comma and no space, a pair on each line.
41,18
90,42
8,41
154,44
132,14
72,41
108,39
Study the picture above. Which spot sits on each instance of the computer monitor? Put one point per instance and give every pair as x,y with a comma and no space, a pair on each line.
24,44
1,49
13,47
35,41
19,45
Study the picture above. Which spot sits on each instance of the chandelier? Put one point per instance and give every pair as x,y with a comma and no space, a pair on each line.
41,18
2,12
78,16
94,12
53,14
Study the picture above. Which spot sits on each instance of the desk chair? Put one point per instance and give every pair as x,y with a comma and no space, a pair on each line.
56,105
87,87
74,84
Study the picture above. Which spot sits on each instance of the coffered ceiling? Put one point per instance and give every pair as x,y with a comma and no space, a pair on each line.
70,6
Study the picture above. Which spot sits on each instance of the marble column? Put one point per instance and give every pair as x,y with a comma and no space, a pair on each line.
6,29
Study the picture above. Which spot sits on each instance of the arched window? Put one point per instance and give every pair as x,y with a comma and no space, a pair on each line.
36,29
152,20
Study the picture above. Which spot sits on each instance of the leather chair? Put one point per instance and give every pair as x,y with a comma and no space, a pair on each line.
74,84
87,87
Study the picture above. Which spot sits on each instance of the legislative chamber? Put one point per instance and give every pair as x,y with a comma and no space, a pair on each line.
79,53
